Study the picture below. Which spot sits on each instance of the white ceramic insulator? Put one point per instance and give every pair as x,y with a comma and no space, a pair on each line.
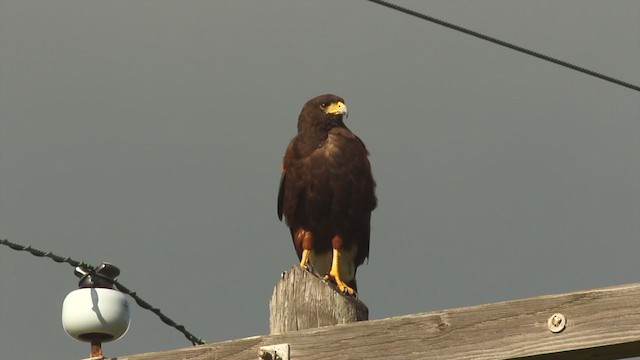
95,313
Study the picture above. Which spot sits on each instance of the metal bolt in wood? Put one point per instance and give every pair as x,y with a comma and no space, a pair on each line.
556,323
274,352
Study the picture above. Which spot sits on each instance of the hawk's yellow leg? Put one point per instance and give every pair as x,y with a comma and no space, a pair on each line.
334,274
304,261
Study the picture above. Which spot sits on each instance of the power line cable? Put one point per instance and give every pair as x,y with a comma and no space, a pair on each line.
143,304
505,44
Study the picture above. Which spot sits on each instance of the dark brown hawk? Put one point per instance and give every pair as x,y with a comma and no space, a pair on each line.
327,193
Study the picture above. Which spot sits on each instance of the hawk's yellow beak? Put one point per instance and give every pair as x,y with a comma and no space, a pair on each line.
338,108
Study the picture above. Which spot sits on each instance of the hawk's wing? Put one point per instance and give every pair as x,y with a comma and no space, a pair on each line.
281,192
283,179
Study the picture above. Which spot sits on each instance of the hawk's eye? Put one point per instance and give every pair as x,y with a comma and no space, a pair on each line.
324,105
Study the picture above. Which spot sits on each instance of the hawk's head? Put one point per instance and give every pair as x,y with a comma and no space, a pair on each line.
322,112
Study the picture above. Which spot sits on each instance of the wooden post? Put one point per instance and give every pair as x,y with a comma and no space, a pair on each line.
301,300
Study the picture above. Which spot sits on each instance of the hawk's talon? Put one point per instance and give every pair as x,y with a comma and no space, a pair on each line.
342,286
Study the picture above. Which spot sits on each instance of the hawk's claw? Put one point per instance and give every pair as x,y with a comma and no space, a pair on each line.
342,286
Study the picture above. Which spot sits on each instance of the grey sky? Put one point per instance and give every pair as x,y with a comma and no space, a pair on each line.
150,134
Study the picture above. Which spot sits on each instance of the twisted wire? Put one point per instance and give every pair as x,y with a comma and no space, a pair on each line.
91,269
506,44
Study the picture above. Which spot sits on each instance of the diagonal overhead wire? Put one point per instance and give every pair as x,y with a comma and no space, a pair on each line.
506,44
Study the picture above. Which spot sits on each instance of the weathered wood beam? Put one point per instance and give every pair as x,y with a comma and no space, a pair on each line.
600,323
